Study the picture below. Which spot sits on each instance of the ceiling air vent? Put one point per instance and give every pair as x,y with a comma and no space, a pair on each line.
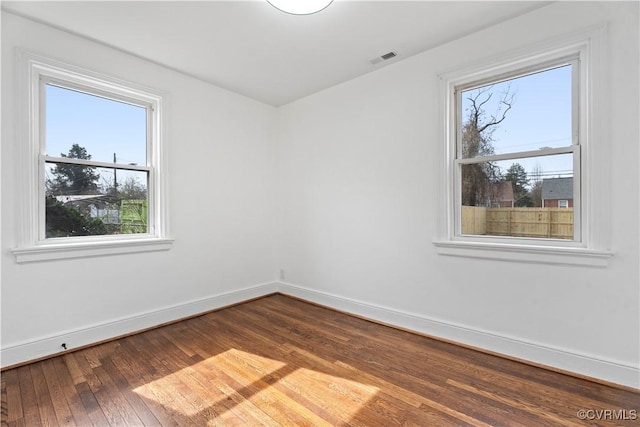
385,57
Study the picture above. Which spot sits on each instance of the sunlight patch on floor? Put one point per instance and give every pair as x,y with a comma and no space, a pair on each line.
237,385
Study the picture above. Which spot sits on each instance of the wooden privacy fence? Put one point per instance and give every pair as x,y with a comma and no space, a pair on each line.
555,223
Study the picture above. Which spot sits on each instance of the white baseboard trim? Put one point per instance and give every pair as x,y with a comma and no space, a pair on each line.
51,345
540,354
557,358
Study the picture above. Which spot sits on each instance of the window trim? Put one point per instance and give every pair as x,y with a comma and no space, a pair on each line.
590,174
33,74
574,148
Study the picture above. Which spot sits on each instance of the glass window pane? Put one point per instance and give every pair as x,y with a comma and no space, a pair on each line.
88,201
98,128
522,114
530,197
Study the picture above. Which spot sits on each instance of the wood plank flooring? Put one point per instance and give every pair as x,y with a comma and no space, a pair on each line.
281,361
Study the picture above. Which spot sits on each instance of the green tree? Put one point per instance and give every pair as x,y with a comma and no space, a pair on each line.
71,179
72,219
517,175
477,138
64,221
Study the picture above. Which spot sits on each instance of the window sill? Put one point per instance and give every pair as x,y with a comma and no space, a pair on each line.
524,253
89,249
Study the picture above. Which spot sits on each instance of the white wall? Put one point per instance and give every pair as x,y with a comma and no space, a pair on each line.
359,186
350,177
221,155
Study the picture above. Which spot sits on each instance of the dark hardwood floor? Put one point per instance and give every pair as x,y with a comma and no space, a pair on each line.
280,361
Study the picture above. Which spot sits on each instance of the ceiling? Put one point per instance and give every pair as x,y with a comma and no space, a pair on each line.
251,48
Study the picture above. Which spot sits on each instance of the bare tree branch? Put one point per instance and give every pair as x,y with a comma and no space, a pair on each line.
477,179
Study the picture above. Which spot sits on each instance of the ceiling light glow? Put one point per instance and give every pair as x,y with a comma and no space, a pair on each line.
300,7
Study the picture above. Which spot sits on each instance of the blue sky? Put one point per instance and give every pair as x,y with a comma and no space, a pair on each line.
100,125
540,117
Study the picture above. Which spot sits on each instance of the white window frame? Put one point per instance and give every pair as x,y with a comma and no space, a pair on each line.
563,203
34,73
591,160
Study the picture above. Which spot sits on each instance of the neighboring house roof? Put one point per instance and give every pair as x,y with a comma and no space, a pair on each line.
500,192
557,188
75,198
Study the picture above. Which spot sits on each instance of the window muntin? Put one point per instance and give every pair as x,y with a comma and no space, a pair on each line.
83,133
517,130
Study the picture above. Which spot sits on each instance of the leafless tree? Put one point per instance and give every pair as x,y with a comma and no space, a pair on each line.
535,179
477,138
